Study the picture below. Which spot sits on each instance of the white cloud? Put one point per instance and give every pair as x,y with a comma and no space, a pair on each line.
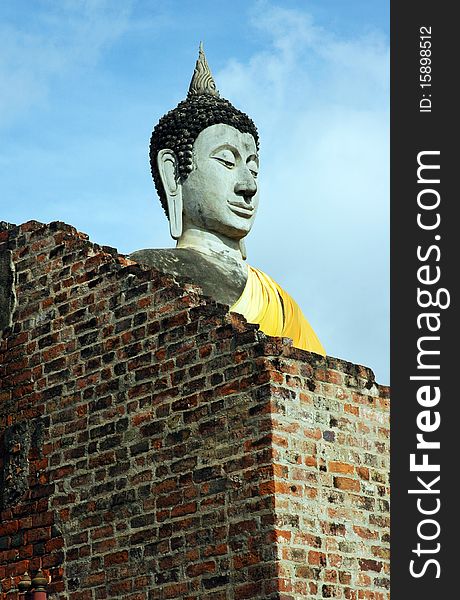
55,38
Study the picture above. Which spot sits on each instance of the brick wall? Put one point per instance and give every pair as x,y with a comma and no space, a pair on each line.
155,447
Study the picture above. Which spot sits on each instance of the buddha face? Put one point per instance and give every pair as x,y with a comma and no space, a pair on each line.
220,194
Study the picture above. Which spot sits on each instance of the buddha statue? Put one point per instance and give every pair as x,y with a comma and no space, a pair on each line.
205,165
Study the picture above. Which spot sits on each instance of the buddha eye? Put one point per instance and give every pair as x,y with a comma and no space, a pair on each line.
227,163
225,157
253,168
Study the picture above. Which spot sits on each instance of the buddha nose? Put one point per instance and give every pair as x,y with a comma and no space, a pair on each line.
246,186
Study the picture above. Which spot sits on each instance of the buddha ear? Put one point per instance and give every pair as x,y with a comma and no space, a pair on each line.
169,175
244,254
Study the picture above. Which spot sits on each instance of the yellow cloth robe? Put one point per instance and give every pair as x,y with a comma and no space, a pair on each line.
264,302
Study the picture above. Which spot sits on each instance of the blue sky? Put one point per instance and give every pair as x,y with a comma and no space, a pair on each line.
84,81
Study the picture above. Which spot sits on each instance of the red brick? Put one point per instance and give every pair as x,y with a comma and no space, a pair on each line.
345,483
316,558
38,534
116,558
365,533
340,467
200,568
8,528
370,565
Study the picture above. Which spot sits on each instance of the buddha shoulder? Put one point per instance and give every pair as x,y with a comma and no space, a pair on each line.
224,281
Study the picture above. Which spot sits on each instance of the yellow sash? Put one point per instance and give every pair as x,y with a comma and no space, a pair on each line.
264,302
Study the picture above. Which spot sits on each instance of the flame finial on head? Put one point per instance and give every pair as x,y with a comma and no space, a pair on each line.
202,79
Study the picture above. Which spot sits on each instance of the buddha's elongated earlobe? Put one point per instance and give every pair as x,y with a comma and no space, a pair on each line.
169,175
243,249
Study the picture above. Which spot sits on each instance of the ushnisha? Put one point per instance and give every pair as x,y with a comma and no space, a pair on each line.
205,164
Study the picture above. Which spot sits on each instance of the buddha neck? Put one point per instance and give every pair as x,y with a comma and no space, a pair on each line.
211,243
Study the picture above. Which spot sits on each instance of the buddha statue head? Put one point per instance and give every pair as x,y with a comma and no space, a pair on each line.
204,162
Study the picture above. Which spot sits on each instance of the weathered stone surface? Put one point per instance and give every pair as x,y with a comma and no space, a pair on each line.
7,296
184,453
18,440
225,283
